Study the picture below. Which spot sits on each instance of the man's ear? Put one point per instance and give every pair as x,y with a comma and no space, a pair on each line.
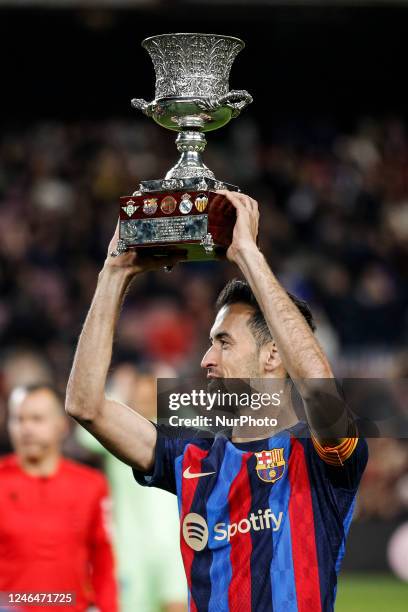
270,358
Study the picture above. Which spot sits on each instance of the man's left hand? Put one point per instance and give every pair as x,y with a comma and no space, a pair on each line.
246,226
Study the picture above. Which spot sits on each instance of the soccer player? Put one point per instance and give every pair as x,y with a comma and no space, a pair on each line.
53,512
263,521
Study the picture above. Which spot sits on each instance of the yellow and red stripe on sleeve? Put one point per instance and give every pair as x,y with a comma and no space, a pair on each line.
336,455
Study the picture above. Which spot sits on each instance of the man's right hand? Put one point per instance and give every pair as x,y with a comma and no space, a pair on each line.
135,262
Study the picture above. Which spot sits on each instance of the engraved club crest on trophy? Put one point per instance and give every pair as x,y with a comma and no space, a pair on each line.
183,210
186,204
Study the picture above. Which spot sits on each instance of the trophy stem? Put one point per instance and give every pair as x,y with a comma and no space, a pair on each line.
191,144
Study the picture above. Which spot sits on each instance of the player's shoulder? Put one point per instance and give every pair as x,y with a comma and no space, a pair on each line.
299,430
82,472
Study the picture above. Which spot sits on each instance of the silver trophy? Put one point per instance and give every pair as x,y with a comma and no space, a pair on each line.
192,97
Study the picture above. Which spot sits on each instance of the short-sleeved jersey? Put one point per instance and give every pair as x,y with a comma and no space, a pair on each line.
264,523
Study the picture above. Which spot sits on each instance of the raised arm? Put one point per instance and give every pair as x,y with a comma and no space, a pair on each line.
301,354
124,432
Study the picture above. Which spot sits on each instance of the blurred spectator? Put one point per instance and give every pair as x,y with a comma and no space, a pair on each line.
19,368
384,489
23,368
146,529
54,513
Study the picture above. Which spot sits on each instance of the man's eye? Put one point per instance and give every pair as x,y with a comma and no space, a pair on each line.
224,343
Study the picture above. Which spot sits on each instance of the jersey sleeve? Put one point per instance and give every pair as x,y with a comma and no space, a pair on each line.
336,455
344,464
170,445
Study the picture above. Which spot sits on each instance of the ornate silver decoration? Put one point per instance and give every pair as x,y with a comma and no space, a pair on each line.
148,108
190,144
208,243
202,186
187,184
192,73
237,100
172,184
199,67
191,94
121,247
190,172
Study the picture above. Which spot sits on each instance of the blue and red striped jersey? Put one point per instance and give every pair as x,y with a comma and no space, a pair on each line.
264,523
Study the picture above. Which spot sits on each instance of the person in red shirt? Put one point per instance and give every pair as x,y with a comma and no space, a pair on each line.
53,511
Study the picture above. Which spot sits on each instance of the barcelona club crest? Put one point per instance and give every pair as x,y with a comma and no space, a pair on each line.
270,464
149,206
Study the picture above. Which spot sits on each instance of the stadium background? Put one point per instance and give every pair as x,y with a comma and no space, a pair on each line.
323,148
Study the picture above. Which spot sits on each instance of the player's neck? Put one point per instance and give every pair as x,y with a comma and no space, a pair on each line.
42,466
270,421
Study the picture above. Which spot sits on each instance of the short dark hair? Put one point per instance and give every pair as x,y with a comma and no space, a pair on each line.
237,291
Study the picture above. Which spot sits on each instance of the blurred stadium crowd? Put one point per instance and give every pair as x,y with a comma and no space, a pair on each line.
334,227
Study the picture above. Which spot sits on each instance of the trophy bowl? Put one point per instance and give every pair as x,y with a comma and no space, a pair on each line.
191,97
192,74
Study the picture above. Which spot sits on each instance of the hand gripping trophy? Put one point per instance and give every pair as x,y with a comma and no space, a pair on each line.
183,211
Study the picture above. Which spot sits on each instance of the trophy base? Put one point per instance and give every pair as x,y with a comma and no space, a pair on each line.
198,224
189,251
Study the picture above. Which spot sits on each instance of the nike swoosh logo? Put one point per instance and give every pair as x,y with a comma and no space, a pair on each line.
188,474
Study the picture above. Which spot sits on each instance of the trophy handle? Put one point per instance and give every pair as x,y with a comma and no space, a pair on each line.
237,100
148,108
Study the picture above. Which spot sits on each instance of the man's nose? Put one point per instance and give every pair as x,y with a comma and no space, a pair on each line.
209,360
27,427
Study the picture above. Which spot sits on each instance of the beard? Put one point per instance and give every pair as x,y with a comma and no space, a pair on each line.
231,389
236,382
